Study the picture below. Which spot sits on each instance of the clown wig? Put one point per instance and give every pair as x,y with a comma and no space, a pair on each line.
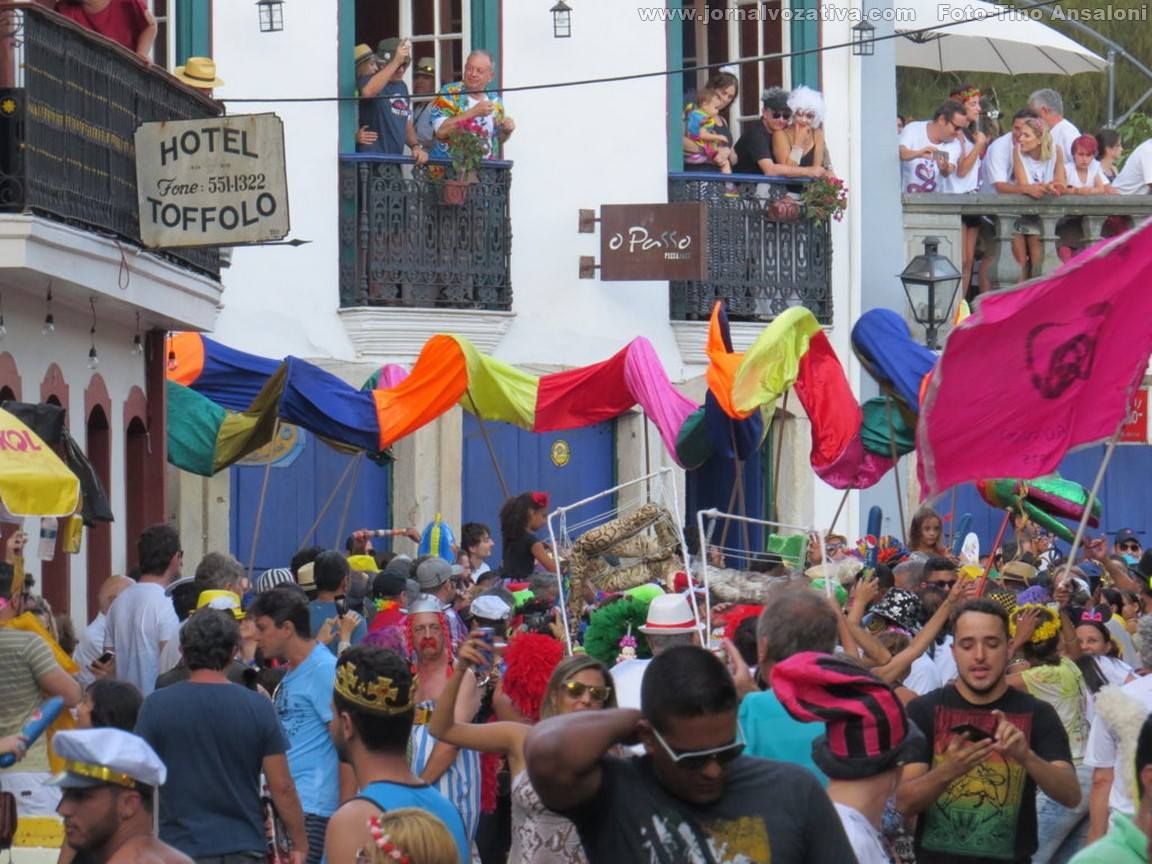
806,99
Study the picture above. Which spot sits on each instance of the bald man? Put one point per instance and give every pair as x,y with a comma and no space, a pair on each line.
91,644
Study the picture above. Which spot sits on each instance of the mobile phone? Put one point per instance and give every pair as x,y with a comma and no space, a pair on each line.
106,657
974,733
341,605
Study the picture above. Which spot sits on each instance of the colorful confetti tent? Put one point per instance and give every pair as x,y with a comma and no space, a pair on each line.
240,396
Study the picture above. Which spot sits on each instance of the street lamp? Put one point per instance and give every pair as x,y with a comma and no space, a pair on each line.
561,20
863,39
931,281
271,15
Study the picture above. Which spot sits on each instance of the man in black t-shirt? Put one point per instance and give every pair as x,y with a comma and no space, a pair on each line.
989,747
693,798
754,149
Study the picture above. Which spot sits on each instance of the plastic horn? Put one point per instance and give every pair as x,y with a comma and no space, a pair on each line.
875,521
962,529
44,717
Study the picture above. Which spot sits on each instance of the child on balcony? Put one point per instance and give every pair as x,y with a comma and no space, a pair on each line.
701,128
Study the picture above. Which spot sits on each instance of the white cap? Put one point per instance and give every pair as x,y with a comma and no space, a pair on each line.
490,608
96,757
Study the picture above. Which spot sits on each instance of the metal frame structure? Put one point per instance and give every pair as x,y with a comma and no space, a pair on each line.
666,485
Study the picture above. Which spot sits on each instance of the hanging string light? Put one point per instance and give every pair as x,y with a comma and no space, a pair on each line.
172,364
137,340
49,321
93,356
3,329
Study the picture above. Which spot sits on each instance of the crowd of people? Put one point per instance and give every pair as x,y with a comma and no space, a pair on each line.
361,705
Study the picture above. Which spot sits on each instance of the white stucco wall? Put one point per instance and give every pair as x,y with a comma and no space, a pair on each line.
120,369
282,300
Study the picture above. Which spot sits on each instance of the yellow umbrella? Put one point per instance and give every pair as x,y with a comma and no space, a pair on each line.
34,481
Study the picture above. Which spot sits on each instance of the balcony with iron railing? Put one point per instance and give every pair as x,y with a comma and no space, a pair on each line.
764,253
70,104
406,242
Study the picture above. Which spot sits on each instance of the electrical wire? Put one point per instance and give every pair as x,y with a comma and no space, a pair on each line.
637,76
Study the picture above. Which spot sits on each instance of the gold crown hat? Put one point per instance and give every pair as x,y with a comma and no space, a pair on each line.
380,696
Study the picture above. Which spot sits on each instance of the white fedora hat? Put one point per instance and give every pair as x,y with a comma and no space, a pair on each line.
668,614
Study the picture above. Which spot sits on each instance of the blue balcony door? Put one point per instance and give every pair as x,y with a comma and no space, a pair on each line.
568,465
296,494
1124,494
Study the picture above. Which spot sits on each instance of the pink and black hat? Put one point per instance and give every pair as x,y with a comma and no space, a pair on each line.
868,731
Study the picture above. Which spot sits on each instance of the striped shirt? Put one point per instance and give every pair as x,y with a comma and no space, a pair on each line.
25,658
460,784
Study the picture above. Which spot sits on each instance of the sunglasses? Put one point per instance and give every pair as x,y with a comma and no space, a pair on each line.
698,760
1131,546
807,115
577,689
946,585
781,115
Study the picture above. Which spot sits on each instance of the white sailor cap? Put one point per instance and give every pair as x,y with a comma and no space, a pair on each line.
96,757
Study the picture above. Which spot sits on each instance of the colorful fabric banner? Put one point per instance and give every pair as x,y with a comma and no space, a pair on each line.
1039,369
33,479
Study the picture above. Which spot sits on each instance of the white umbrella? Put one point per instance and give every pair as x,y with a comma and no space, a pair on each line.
1013,43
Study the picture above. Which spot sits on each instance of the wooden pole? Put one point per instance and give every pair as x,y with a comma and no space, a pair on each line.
488,443
260,505
328,502
836,518
895,469
992,552
778,417
358,461
1092,493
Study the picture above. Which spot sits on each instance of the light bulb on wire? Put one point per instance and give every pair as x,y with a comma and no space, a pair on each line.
49,321
137,340
93,358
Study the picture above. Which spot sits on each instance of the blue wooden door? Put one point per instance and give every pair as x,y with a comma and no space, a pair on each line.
296,494
568,465
711,485
1125,493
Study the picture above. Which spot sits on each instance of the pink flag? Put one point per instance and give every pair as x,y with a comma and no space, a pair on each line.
1040,369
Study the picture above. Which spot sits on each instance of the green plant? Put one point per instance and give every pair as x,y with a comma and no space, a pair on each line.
825,198
468,146
1134,131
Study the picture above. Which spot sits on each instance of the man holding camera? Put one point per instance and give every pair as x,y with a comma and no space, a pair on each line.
329,614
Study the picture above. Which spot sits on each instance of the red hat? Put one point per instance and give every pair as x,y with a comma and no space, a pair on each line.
868,731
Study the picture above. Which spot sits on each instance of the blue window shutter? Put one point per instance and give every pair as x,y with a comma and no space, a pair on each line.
486,31
805,35
346,77
193,29
676,88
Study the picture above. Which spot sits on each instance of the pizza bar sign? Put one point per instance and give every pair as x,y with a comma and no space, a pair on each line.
217,181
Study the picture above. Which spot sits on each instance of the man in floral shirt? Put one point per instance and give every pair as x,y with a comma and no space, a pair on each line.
466,103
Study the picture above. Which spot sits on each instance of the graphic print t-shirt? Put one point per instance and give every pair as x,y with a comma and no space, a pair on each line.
990,812
923,173
769,812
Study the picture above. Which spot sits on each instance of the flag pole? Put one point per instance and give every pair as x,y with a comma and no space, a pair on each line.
992,552
1076,541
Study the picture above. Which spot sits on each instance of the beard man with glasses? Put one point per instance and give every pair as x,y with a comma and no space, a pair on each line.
693,796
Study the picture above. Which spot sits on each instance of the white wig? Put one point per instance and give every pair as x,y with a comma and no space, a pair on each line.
806,99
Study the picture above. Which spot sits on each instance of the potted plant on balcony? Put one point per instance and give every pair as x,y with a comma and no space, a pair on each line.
468,146
825,198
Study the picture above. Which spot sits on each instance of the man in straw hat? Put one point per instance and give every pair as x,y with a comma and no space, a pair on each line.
868,737
385,104
109,788
374,701
669,622
199,72
693,796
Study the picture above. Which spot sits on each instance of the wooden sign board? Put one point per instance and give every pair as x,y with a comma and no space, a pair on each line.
653,241
212,182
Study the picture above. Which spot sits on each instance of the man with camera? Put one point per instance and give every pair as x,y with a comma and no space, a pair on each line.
329,614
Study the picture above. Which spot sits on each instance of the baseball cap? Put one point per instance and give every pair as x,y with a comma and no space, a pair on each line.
425,66
434,572
386,50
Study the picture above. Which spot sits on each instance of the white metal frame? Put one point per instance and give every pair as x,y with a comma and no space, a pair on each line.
666,485
437,39
715,515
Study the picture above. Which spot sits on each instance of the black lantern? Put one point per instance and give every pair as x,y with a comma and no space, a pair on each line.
864,39
561,20
931,281
271,15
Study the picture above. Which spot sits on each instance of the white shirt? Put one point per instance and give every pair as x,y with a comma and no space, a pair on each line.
923,677
956,184
1102,749
923,174
626,678
945,661
139,621
1116,671
89,649
1136,174
1039,171
1073,175
480,571
997,167
864,839
1063,134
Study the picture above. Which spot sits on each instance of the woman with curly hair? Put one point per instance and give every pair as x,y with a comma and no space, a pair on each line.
520,518
578,683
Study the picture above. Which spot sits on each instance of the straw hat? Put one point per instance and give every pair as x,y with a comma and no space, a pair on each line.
199,72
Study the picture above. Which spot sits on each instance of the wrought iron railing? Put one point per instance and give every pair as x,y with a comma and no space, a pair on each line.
401,244
763,257
68,122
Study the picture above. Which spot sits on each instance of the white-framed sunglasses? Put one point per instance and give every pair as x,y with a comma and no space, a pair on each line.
698,760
